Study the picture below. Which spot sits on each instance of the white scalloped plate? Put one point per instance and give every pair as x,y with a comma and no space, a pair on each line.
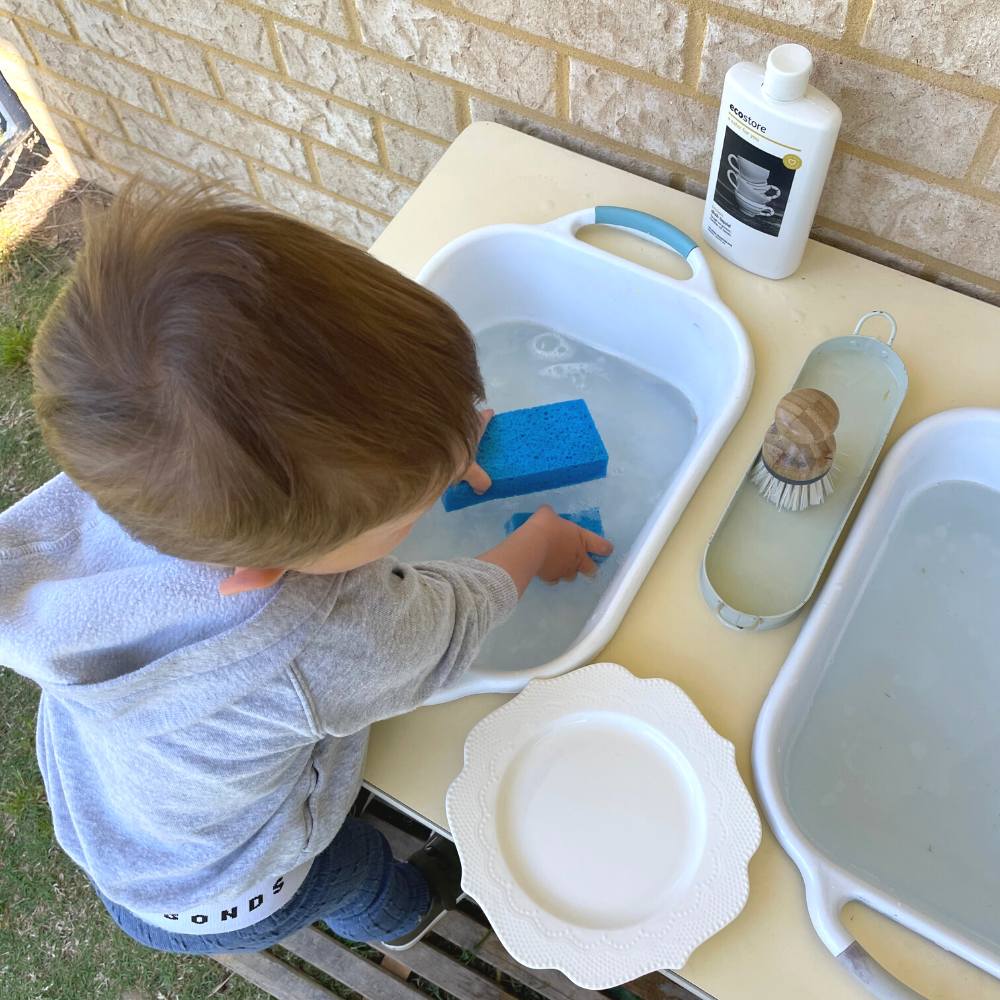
602,825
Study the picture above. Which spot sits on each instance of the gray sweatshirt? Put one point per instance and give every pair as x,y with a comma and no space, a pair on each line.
191,744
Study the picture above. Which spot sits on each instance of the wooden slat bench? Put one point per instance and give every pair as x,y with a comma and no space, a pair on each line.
460,958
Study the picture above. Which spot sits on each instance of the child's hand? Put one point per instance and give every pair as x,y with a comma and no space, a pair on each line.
568,547
548,547
475,475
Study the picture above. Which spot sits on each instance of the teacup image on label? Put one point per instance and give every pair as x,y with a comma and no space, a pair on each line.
751,207
752,171
752,189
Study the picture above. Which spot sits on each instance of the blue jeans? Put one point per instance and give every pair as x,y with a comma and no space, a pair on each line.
355,886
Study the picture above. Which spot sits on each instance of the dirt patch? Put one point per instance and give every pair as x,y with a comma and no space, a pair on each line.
40,201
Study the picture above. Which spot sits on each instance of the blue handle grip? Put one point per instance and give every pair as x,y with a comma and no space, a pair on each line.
630,218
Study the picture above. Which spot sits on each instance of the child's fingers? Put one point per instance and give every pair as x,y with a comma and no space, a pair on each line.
588,567
475,475
596,544
485,416
478,478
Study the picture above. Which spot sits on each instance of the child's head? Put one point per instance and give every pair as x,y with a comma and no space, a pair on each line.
235,387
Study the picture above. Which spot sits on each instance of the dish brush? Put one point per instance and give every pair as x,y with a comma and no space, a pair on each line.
795,467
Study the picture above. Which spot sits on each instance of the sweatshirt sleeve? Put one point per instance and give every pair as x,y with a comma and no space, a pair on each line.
396,634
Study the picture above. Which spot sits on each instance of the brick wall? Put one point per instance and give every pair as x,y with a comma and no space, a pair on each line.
335,109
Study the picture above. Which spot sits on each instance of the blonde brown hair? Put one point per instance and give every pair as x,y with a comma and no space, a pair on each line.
236,387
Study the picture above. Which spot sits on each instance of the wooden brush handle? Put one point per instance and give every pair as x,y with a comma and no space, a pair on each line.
806,416
799,446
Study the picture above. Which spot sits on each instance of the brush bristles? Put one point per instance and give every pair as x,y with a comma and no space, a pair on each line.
790,496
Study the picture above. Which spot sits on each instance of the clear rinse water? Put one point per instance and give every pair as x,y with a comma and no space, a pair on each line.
648,427
764,561
895,773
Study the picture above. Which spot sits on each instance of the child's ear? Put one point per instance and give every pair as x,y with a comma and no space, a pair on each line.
244,578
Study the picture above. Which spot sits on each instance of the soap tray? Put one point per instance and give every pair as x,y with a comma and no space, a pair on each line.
762,564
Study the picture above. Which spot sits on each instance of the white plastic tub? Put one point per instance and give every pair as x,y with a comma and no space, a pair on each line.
876,751
675,331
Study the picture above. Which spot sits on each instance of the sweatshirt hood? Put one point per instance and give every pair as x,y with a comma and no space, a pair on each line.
94,616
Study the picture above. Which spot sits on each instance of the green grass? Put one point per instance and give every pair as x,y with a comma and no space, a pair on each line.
31,275
56,940
24,462
15,346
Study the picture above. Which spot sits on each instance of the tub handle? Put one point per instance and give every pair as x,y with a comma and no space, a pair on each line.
881,983
824,903
649,227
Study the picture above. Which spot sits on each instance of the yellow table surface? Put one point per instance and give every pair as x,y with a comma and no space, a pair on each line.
951,346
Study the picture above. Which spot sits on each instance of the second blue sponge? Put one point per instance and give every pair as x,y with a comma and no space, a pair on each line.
589,519
540,448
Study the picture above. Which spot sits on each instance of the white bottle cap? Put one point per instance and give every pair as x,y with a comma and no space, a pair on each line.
787,74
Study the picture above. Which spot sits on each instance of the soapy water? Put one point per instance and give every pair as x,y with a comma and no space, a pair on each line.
648,427
894,772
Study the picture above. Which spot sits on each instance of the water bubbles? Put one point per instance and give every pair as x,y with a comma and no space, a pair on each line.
551,346
576,372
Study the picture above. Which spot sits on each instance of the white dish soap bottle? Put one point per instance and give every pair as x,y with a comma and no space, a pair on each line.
772,150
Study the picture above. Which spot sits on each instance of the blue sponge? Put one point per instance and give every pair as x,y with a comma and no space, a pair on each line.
541,448
588,519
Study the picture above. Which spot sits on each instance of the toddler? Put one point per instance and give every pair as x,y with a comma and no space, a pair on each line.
250,416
